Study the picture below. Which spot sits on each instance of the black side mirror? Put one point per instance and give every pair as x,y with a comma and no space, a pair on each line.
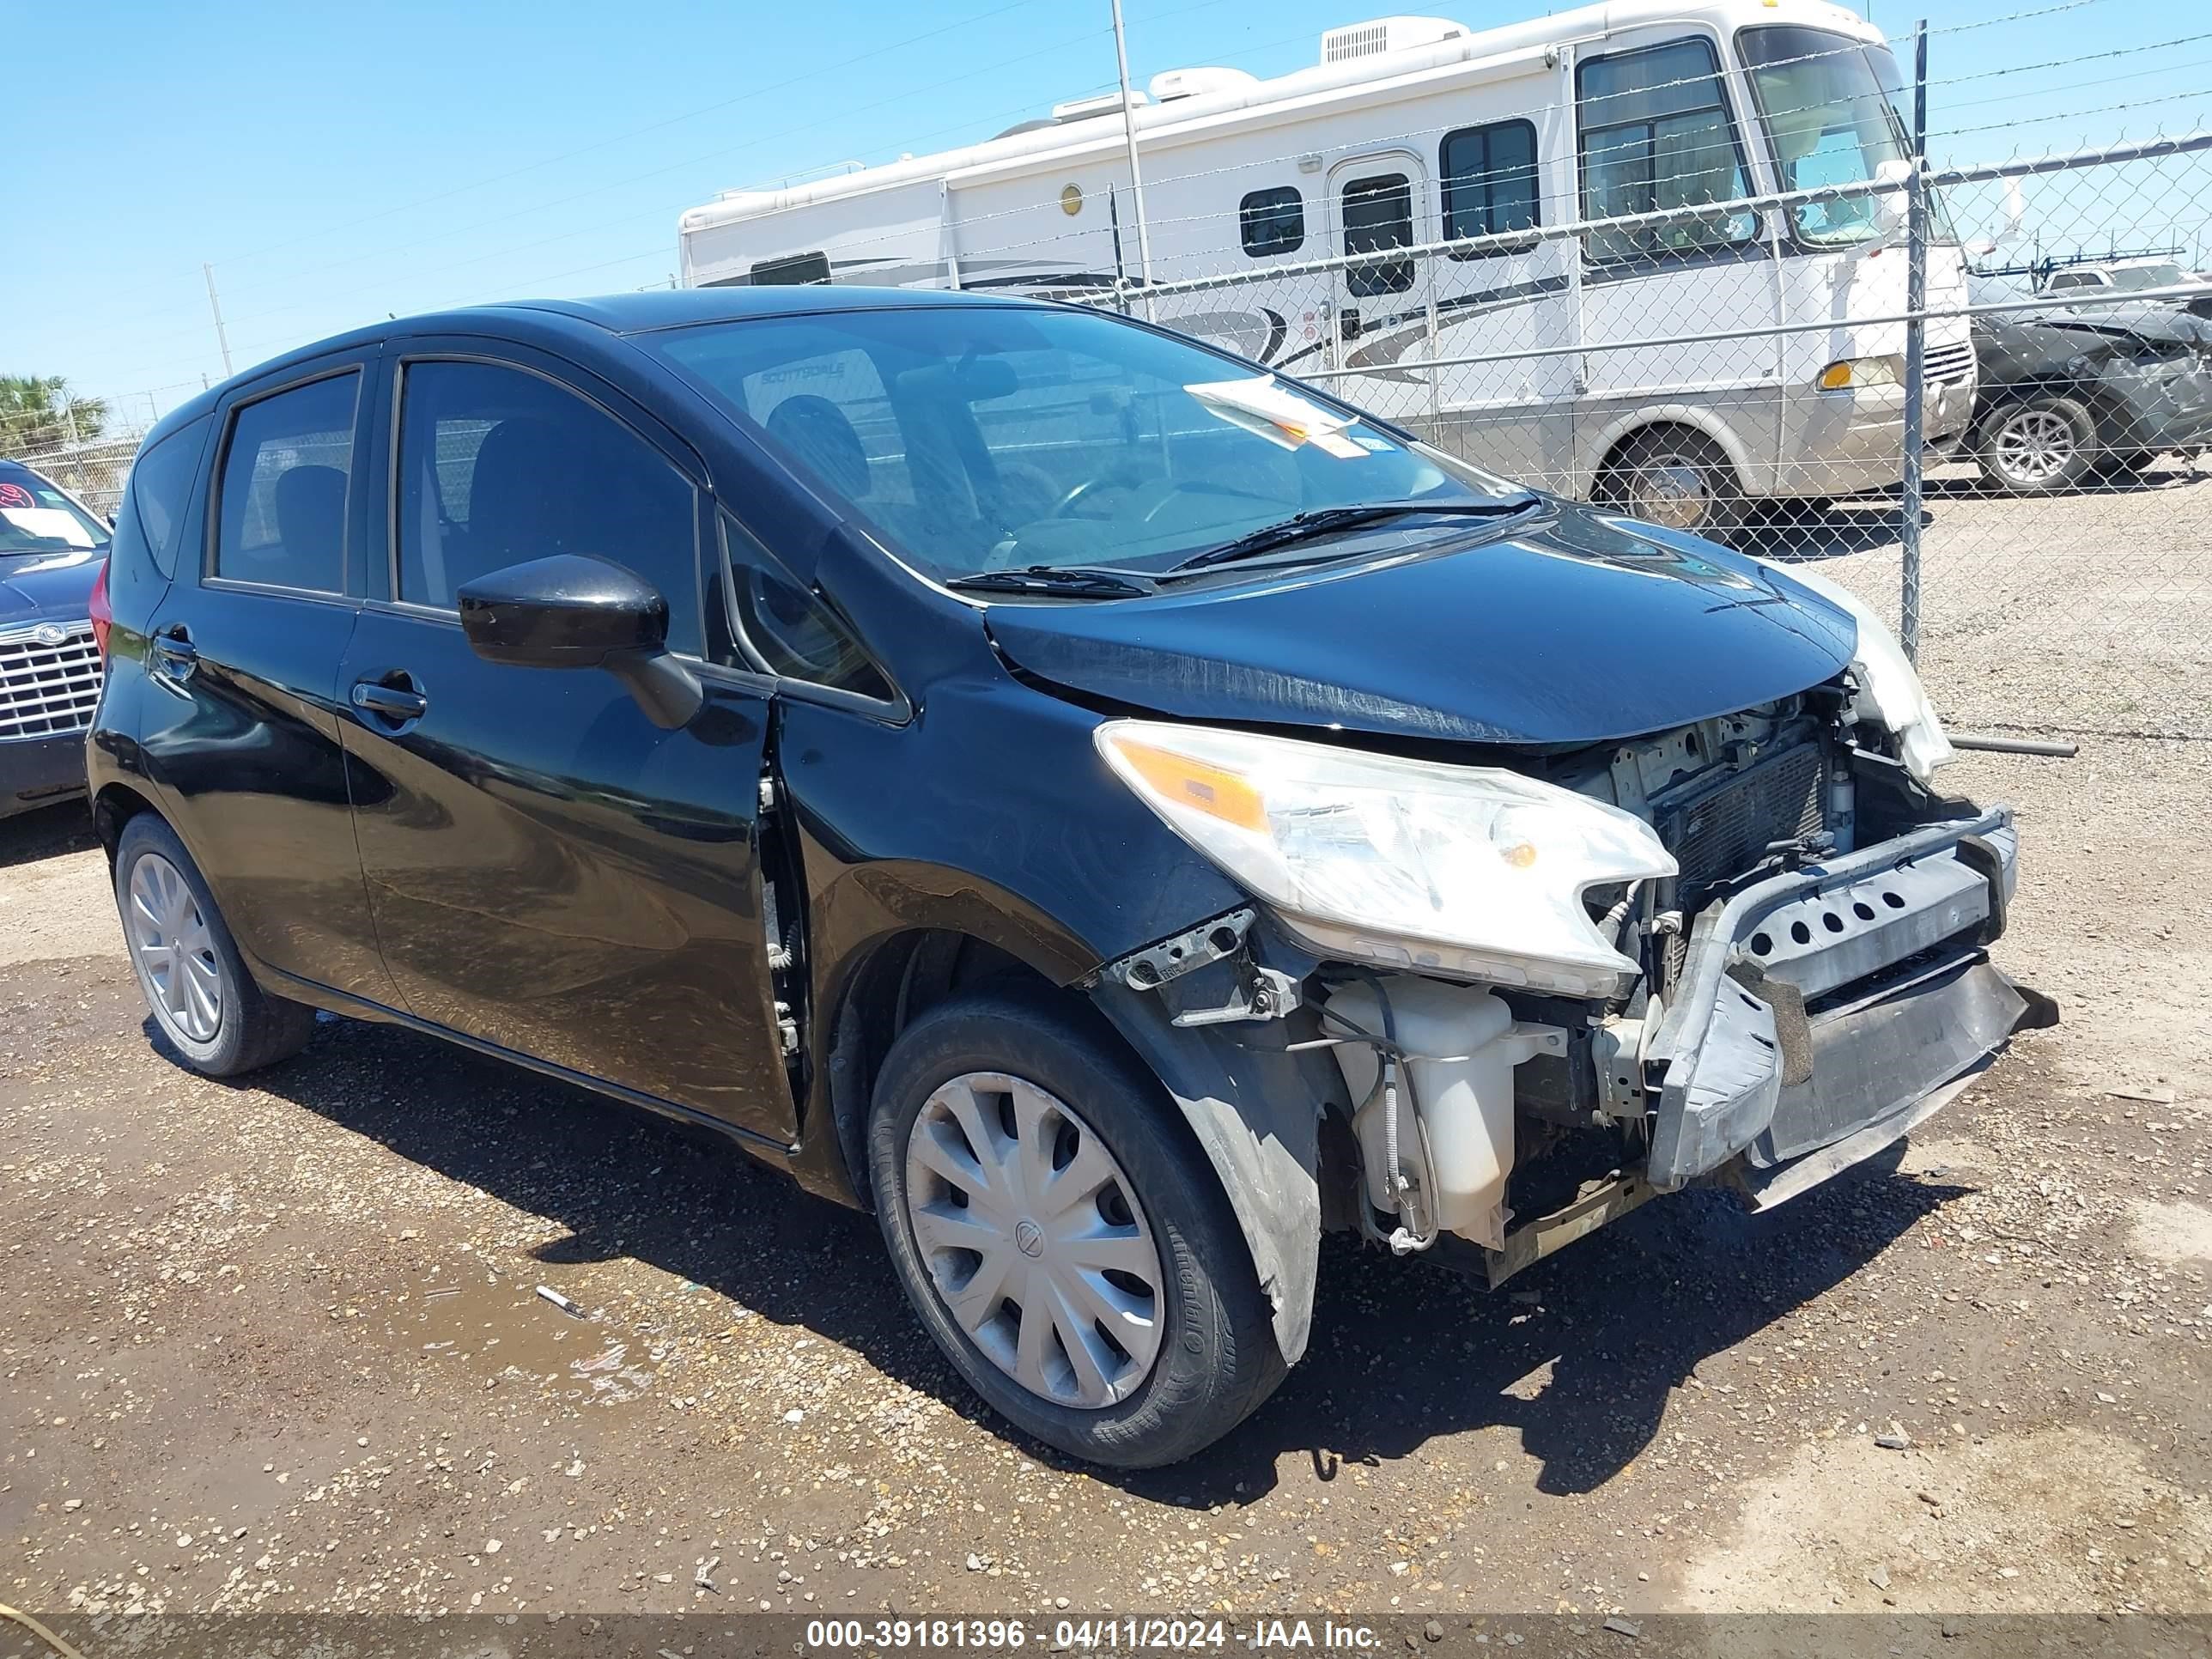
571,611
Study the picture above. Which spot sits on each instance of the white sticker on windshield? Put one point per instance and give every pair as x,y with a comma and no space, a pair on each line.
1264,405
48,524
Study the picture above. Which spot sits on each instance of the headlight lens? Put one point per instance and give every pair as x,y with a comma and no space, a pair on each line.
1859,372
1890,692
1467,872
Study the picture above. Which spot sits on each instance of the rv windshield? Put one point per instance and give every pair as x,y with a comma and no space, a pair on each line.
1829,103
1002,442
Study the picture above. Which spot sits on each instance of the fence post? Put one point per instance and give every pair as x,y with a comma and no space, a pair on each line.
1916,348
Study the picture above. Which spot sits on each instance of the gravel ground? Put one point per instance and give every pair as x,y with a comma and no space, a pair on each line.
277,1347
2080,612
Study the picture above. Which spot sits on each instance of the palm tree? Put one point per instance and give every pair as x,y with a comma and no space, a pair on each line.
40,412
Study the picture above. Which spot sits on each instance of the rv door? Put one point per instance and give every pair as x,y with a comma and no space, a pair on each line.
1380,203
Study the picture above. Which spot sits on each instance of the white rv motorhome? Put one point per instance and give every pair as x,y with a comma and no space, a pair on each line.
1292,220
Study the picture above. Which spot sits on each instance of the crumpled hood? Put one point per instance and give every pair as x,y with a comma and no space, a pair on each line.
46,586
1575,630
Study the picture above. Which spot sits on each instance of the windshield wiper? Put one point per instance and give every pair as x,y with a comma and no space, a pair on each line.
1328,520
1085,581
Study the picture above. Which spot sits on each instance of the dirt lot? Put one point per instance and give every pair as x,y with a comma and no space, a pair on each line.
2082,612
275,1347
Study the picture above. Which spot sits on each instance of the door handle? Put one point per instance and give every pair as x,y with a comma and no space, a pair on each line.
398,704
179,655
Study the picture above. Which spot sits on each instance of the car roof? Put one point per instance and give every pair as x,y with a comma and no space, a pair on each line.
617,314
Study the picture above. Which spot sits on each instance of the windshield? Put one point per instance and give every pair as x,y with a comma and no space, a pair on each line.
1831,107
2141,277
35,517
1002,438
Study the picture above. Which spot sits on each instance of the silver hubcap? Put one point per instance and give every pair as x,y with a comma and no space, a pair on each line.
2035,445
1034,1240
173,950
1670,492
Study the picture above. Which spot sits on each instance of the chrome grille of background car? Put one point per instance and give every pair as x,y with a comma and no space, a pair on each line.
1951,363
49,680
1721,832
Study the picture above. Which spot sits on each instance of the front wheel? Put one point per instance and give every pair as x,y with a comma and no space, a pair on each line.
1073,1257
2037,447
195,982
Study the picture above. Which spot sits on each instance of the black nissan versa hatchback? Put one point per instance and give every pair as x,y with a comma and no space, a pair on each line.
1112,812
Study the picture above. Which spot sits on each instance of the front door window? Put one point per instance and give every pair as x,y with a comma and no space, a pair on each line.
499,466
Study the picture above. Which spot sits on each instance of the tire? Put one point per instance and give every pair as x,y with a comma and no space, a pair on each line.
1007,1057
1678,478
195,983
2037,446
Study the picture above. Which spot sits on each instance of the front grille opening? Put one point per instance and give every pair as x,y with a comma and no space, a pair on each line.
48,688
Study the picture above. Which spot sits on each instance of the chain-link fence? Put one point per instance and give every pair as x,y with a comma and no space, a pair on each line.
1703,276
1764,369
94,473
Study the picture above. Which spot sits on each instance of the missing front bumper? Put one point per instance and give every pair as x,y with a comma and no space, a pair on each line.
1824,1005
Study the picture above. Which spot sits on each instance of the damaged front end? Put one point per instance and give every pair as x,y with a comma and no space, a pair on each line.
1776,964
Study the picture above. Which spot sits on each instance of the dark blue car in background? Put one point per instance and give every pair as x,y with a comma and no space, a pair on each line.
54,550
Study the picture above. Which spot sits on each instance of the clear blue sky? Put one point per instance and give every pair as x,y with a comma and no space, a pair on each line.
337,162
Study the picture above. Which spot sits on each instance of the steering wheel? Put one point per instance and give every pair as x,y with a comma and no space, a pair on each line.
1083,492
1168,488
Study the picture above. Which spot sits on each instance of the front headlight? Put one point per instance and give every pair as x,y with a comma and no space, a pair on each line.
1890,692
1468,872
1860,372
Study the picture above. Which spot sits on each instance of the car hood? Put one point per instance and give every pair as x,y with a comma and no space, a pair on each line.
1575,630
46,586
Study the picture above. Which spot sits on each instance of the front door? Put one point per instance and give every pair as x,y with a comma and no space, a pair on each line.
549,872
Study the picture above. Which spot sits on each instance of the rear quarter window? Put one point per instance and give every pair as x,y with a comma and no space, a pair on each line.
150,524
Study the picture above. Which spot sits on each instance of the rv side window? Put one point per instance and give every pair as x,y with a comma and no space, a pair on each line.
1273,221
794,270
1490,180
1655,135
1378,214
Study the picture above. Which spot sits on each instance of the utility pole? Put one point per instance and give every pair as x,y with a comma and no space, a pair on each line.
1136,176
214,305
1916,352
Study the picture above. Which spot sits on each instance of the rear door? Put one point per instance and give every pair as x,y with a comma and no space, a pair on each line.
239,726
550,872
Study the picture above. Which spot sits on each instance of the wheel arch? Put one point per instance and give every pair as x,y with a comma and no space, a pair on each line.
113,808
1604,449
1254,1115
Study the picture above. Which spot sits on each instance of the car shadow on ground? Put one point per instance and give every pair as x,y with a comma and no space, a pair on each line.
47,832
1579,1356
1800,531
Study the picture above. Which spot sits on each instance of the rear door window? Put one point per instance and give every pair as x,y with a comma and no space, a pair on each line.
499,466
286,473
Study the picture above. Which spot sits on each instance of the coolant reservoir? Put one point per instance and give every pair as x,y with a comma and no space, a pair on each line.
1461,1050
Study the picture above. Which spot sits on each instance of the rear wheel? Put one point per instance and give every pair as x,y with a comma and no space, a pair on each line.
1677,478
2038,445
195,982
1073,1259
